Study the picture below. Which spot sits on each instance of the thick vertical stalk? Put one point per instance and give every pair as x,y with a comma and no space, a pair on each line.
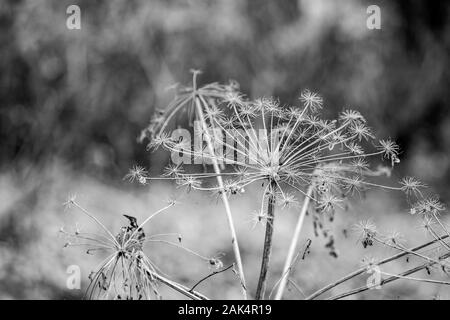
293,246
234,241
267,250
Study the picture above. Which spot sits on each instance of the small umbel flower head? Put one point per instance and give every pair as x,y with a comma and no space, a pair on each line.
367,232
390,150
137,173
430,206
311,100
126,271
412,186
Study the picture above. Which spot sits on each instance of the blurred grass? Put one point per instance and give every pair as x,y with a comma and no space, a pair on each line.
84,95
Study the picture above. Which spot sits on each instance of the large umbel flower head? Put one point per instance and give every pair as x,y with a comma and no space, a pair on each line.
286,149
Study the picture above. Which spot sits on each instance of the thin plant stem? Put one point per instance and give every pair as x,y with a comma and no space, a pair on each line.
209,276
416,279
267,250
293,246
278,282
297,287
194,295
234,241
399,247
390,279
364,269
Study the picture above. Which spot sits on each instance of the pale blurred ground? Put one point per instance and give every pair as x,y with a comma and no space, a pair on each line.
73,102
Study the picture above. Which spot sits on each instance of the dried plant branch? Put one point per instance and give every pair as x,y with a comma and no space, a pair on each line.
209,276
390,279
416,279
364,269
234,240
190,293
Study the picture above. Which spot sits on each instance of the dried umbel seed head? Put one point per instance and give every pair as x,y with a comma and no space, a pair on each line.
173,171
311,100
287,200
127,272
390,150
327,203
233,187
190,182
412,186
394,238
259,217
367,232
430,206
137,173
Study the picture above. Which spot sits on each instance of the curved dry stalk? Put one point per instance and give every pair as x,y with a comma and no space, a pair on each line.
194,295
293,246
402,249
416,279
390,279
292,266
234,241
364,269
209,276
262,282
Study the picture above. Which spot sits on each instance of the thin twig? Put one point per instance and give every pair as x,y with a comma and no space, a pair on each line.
297,287
417,279
390,279
364,269
209,276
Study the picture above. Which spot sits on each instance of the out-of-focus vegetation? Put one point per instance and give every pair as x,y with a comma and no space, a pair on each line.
72,103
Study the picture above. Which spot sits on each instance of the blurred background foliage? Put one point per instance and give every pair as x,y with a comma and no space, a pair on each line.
76,100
